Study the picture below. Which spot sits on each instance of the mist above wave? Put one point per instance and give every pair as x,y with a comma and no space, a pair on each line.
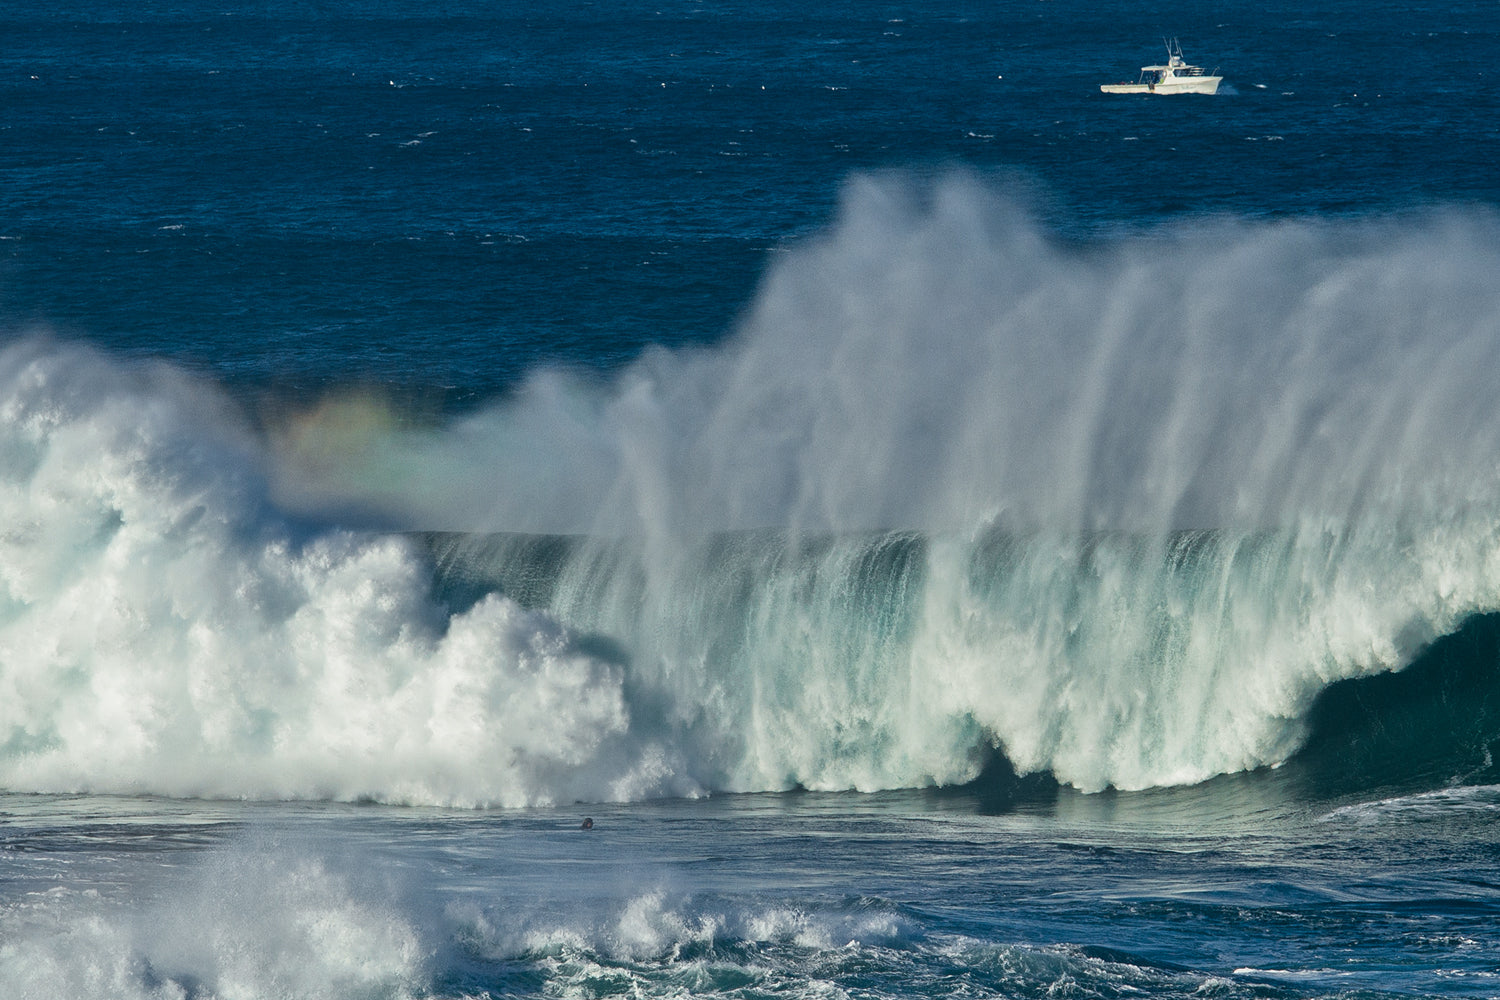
936,358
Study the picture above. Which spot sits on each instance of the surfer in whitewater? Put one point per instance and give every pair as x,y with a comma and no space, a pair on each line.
587,824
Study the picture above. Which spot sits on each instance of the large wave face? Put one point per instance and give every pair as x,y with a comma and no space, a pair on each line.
1121,510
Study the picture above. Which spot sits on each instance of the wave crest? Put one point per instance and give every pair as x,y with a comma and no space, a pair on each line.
1151,497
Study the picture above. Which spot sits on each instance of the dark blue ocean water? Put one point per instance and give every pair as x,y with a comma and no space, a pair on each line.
955,532
451,197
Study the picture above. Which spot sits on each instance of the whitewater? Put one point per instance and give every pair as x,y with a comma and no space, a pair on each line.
954,489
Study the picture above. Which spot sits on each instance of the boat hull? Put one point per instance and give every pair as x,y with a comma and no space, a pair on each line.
1191,85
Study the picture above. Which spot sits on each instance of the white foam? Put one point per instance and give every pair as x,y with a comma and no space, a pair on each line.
162,629
655,927
1469,802
255,921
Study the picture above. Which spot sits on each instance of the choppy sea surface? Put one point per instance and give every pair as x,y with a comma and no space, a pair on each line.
953,532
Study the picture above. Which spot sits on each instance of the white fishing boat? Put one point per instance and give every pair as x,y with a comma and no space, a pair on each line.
1176,77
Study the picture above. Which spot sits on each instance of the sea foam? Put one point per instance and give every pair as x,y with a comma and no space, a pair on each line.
256,920
163,629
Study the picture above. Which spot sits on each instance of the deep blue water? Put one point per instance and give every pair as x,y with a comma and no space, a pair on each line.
956,532
278,193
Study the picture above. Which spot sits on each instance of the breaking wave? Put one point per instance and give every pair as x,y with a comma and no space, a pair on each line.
1124,511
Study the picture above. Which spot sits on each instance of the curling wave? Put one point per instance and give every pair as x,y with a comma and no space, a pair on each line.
1122,511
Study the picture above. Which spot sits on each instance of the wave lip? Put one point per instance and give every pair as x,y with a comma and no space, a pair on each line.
885,660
